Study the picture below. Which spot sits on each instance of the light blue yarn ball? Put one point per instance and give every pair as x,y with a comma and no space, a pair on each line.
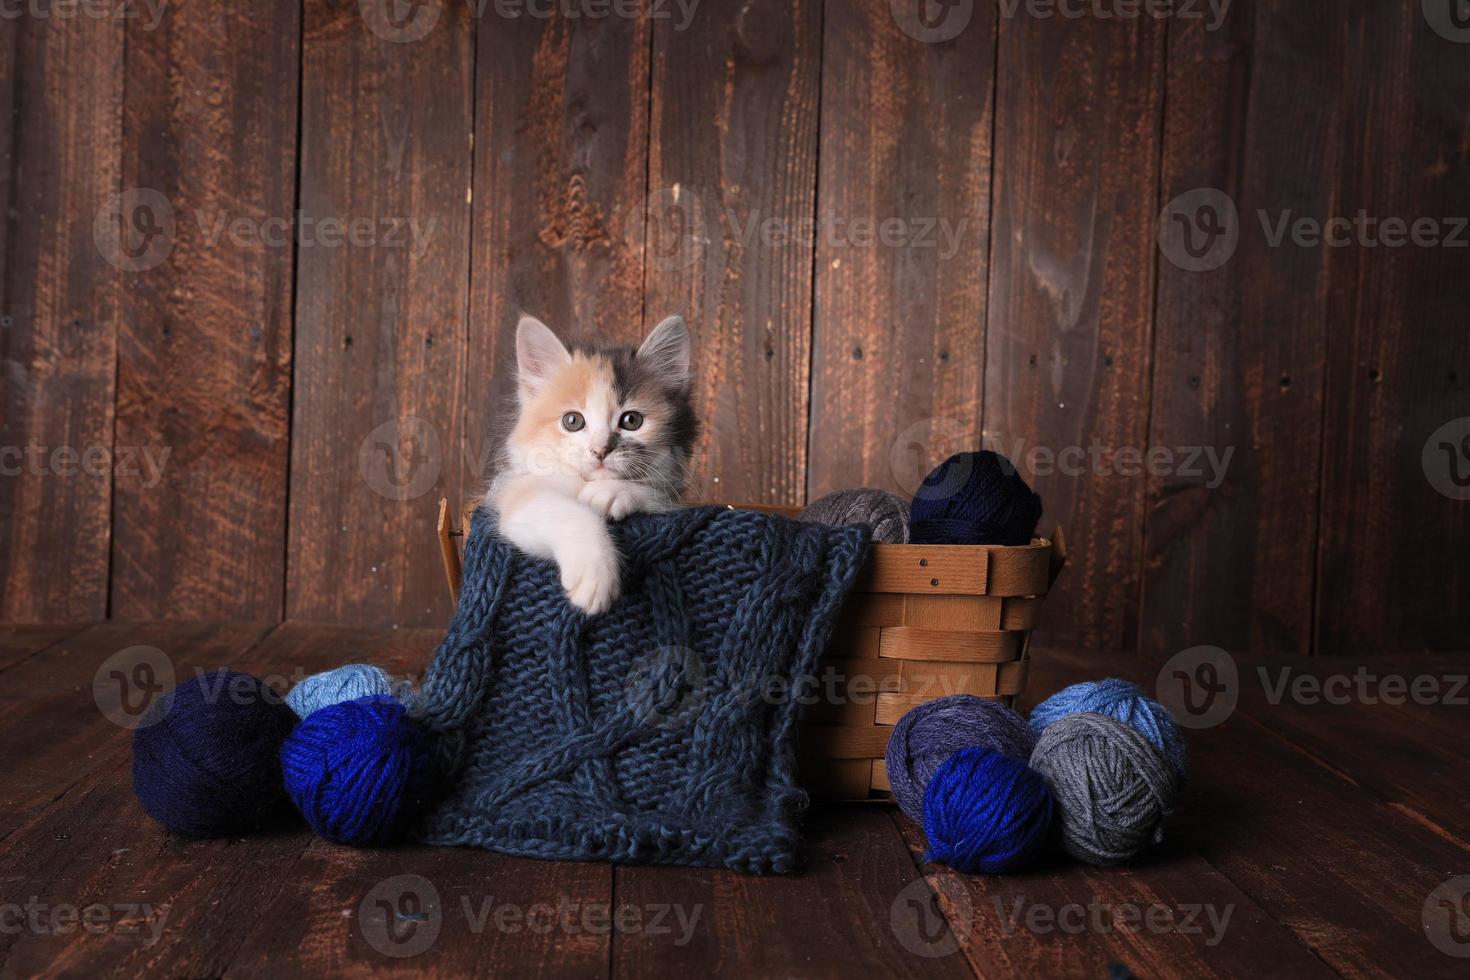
1122,701
335,686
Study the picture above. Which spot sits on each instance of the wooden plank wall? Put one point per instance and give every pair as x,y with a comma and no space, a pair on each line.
896,236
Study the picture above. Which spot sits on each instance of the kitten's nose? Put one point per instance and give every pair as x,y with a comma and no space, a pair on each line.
600,453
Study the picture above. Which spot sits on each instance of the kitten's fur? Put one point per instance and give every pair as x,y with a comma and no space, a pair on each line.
558,485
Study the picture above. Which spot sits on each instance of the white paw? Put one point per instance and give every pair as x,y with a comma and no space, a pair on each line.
613,499
590,576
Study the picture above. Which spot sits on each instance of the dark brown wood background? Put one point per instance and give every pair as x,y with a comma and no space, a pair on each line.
316,399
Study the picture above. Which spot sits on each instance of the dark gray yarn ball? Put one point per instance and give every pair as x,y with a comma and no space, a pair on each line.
1112,787
887,515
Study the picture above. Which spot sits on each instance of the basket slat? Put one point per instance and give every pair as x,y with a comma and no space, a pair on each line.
910,643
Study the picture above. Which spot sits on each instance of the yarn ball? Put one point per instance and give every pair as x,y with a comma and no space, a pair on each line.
335,686
1113,788
974,498
206,757
928,735
1121,701
986,812
358,771
885,514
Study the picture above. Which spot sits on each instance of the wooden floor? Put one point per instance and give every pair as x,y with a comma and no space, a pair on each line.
1310,842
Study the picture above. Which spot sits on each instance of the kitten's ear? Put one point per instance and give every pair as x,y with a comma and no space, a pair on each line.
666,351
538,353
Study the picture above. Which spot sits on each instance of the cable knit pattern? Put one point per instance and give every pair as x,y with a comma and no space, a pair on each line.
657,732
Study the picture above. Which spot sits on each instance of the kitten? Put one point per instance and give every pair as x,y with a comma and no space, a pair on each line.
601,433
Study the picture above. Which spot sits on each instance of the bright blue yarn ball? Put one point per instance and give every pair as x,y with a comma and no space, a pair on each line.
986,812
1121,701
335,686
358,771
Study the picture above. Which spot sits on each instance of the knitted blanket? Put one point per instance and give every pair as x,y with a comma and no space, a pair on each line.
656,732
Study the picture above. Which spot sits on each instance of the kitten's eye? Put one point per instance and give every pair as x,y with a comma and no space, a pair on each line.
632,421
573,422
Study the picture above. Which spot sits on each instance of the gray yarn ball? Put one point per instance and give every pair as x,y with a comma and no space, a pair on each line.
1112,787
884,513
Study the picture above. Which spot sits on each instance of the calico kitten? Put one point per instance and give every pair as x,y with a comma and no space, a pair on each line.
602,432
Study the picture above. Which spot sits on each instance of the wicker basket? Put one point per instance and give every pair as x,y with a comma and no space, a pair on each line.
923,621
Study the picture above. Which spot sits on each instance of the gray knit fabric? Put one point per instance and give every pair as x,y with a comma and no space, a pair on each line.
1113,788
648,733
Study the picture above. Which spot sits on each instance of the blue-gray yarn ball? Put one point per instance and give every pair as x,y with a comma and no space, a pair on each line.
884,513
335,686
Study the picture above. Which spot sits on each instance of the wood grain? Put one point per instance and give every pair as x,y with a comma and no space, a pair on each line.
899,340
1255,112
18,643
1071,289
561,163
60,165
1398,354
204,344
850,913
732,177
380,335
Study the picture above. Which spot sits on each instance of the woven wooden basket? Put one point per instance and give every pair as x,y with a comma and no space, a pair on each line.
923,622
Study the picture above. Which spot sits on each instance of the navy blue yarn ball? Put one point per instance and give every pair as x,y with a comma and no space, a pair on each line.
986,812
206,757
359,771
974,498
